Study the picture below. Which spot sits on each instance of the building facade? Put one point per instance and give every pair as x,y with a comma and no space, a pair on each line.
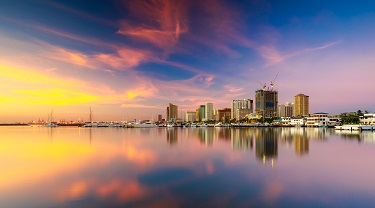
223,114
301,105
190,116
172,112
209,112
242,113
202,112
266,103
241,104
286,110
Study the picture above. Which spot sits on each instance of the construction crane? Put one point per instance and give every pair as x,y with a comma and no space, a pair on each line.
263,85
273,82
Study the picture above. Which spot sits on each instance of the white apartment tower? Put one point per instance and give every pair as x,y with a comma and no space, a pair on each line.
241,105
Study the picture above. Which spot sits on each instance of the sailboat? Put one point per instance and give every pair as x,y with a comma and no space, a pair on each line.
50,121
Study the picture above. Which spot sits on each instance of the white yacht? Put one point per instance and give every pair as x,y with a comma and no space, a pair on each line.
147,124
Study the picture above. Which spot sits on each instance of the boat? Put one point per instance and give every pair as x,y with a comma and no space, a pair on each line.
147,124
203,125
51,124
220,124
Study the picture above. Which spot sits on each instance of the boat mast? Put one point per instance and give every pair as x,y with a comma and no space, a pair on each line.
90,115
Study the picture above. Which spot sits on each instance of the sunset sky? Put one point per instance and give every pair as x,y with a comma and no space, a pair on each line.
129,59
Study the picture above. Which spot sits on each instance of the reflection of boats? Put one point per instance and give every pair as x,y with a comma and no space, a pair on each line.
347,127
147,124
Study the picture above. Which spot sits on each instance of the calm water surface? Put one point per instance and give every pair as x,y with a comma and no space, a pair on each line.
176,167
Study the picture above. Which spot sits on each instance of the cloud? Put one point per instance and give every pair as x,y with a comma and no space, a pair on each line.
125,58
273,56
163,22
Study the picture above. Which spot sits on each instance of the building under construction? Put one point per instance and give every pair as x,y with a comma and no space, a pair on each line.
266,100
266,103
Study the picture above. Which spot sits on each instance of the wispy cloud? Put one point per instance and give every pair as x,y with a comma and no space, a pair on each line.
164,22
273,56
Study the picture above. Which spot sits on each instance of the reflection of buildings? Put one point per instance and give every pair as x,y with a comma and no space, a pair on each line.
266,144
172,135
301,144
223,133
242,138
206,136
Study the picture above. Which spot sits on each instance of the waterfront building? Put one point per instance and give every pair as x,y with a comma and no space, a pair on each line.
242,113
301,105
190,116
160,118
202,112
223,114
321,120
298,121
241,104
286,110
266,103
172,112
197,114
209,111
367,119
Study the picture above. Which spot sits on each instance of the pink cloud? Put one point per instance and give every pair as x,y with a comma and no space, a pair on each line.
164,22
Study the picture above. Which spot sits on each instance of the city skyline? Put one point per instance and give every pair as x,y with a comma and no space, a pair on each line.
129,59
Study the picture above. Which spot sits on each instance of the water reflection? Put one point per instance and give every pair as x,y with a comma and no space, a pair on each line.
267,145
207,167
172,136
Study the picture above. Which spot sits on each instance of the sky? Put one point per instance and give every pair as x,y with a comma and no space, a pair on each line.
129,59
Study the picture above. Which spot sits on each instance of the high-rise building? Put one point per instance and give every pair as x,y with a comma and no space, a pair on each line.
197,114
301,105
242,113
160,118
241,104
266,103
223,114
190,116
172,112
286,110
209,111
202,112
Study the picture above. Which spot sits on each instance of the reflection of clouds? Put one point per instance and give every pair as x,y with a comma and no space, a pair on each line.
121,190
272,191
131,167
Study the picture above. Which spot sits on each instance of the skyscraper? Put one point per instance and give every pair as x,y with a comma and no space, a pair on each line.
202,112
301,105
286,110
266,103
239,105
172,112
209,111
190,116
